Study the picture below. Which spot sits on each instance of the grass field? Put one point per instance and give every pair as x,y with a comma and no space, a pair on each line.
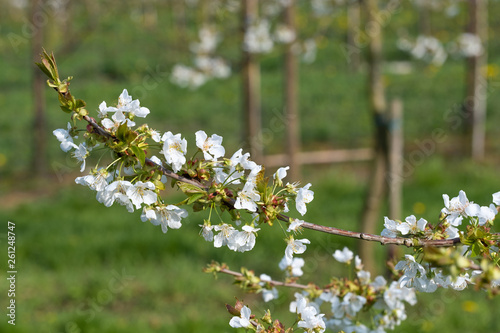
86,268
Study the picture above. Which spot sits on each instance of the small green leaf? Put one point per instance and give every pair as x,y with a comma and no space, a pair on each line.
139,153
121,132
65,109
195,197
44,69
159,185
190,189
130,136
79,103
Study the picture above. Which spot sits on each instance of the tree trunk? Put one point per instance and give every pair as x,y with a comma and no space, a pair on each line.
353,25
395,176
476,83
251,89
377,187
291,97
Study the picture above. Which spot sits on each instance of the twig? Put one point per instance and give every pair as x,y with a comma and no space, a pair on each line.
409,242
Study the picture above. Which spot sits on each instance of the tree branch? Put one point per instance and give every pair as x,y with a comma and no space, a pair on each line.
409,242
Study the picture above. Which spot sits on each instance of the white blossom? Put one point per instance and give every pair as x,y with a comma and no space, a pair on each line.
295,246
243,320
284,34
455,208
294,268
470,45
429,49
482,213
117,192
304,196
141,193
280,174
310,50
96,181
187,77
125,105
81,153
257,38
394,295
391,228
344,256
209,38
411,225
225,236
294,225
310,319
496,198
357,263
425,284
212,67
207,232
174,150
167,216
245,240
460,282
378,283
210,146
364,277
65,138
411,270
348,306
267,294
247,197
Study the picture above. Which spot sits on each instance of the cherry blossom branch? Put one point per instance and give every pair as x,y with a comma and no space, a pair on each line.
101,131
409,242
70,104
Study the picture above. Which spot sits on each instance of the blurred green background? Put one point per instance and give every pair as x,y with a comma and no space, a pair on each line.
86,268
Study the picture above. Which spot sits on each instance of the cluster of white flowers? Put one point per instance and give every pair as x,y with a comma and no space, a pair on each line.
345,306
411,226
431,50
124,184
459,208
187,77
167,216
124,112
428,279
268,294
455,211
309,50
310,318
206,66
284,34
258,38
80,153
344,309
229,236
469,45
293,268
